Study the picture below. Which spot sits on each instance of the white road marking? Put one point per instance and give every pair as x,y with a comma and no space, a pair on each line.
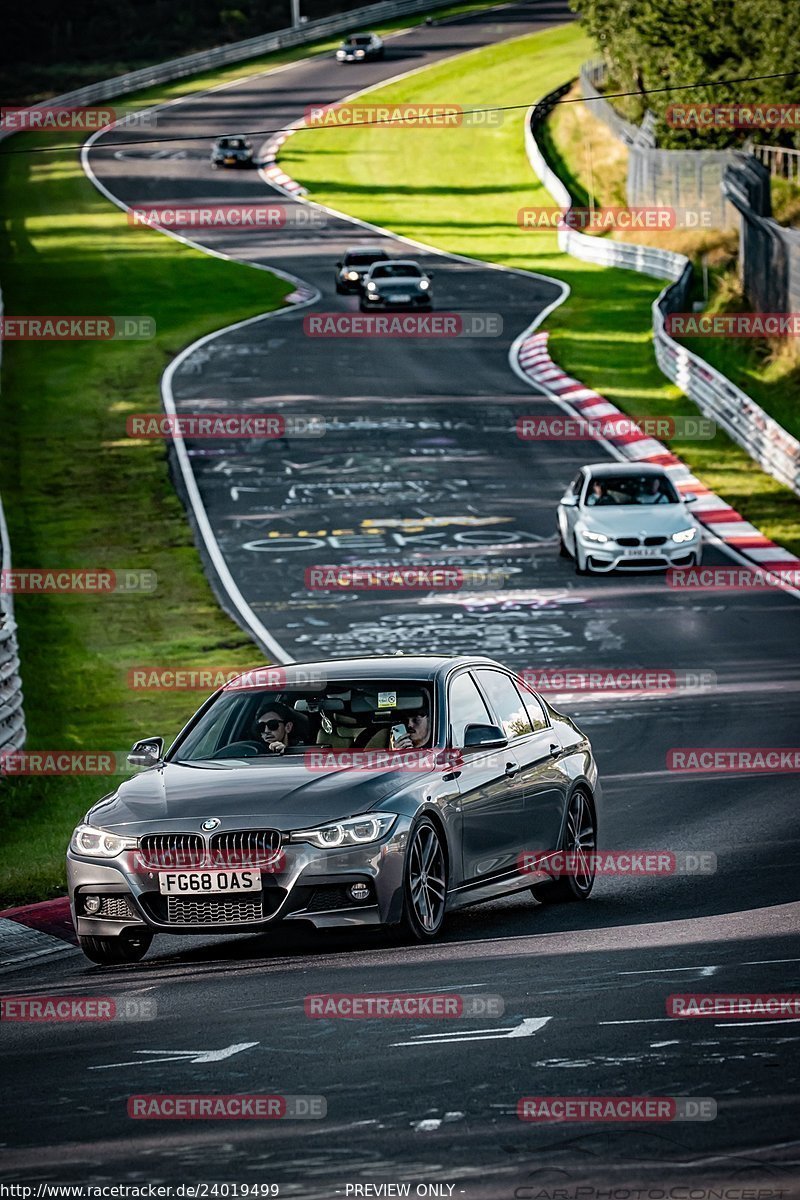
527,1027
193,1056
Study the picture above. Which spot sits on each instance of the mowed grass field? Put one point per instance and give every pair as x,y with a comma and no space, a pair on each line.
460,189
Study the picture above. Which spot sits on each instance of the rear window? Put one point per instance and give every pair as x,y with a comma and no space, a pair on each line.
365,258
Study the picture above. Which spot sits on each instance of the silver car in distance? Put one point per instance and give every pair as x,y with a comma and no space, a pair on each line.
630,517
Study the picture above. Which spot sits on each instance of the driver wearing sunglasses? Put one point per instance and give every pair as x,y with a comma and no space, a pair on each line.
275,726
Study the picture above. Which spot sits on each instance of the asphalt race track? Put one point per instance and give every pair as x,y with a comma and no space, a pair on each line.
421,464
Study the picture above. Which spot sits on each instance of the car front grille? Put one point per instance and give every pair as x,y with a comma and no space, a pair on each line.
235,848
628,541
643,541
655,541
213,910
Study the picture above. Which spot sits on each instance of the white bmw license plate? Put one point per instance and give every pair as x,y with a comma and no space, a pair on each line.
646,552
173,883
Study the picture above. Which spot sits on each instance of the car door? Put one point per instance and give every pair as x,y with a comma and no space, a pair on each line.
492,805
541,782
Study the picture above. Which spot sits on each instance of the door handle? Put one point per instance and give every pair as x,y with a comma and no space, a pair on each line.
512,769
554,749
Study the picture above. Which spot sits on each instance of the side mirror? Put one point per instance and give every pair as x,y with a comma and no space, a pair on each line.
146,753
484,737
570,500
340,264
689,497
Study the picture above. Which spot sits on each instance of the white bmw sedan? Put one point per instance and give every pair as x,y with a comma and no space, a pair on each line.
631,517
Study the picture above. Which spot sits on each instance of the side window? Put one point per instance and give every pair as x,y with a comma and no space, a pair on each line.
577,484
536,713
505,700
466,707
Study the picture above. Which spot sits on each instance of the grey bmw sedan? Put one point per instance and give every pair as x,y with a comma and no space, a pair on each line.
381,791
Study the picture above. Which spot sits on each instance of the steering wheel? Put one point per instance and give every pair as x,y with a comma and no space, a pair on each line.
243,749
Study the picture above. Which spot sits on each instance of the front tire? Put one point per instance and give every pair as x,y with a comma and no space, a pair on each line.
128,947
424,883
580,842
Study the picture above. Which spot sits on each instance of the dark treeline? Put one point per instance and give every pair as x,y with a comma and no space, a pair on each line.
48,46
657,43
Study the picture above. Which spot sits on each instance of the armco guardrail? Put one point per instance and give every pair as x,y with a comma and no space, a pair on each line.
220,56
767,442
12,718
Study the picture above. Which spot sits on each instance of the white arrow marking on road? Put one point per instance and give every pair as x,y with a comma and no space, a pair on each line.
526,1028
194,1056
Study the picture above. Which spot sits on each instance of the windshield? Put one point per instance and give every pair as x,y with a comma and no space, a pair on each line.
351,715
606,490
364,258
358,41
395,270
232,144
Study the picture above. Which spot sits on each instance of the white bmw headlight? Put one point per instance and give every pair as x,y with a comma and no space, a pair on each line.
357,831
99,843
684,535
371,287
590,536
424,284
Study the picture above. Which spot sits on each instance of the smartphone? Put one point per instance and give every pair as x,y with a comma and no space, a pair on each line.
399,732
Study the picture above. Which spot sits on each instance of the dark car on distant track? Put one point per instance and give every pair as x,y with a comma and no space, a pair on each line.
360,47
232,152
351,269
493,792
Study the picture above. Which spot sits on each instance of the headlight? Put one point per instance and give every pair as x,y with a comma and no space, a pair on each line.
424,284
358,831
352,275
359,53
371,287
684,535
341,54
590,536
99,843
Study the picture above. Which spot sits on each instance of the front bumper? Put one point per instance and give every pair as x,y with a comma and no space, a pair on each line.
309,884
609,556
421,300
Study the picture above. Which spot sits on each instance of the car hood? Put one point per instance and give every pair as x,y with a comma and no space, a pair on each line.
408,284
637,519
254,793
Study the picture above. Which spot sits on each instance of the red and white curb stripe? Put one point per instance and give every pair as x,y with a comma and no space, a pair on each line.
714,513
275,174
35,931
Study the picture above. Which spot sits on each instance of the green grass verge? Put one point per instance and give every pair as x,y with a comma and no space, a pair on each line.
460,190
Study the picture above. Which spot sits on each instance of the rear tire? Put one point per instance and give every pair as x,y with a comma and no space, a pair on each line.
424,883
127,947
580,838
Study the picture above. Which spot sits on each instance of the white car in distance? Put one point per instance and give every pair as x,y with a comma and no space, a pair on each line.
616,516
